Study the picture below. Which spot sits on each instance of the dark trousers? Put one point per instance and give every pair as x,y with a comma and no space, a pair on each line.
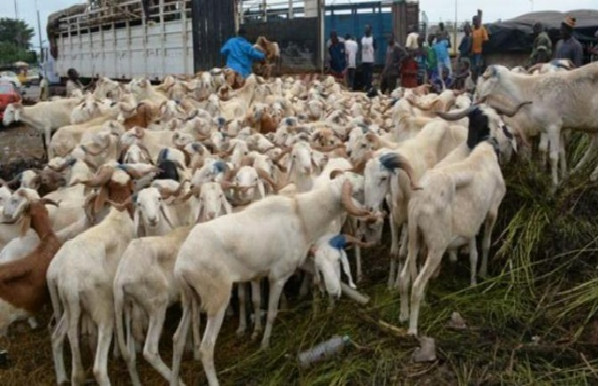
351,75
367,74
388,82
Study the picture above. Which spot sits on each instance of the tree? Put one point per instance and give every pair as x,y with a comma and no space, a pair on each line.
15,38
16,32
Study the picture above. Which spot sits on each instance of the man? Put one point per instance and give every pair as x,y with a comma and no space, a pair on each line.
568,47
431,58
337,54
465,46
44,89
368,49
73,83
412,39
240,54
541,47
442,54
393,59
479,36
351,50
444,34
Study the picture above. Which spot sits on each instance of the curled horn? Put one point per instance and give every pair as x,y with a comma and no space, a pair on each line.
399,161
346,200
335,173
58,169
454,116
145,150
102,177
535,67
168,221
264,175
47,201
508,113
166,193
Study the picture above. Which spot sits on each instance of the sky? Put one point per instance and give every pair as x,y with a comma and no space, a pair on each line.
436,10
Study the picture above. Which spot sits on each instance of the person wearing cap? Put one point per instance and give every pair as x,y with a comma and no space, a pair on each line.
568,47
541,47
240,54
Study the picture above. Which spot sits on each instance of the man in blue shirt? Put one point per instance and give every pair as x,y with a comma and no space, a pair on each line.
240,54
442,54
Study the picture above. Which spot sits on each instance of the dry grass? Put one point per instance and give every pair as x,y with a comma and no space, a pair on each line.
534,321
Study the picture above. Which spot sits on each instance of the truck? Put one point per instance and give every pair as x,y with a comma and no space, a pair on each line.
126,39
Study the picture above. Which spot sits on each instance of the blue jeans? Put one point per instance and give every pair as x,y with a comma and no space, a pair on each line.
476,62
367,75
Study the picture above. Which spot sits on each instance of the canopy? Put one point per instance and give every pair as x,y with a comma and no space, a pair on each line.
21,64
515,35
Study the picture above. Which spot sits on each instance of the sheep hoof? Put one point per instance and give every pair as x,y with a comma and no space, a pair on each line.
240,332
413,332
265,345
426,351
482,273
255,335
403,317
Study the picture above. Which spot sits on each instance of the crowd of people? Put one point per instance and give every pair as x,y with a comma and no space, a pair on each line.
427,61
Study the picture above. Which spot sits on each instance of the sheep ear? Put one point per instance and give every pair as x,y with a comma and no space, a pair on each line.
200,208
137,226
100,199
26,223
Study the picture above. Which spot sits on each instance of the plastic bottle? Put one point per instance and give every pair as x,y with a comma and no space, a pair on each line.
323,350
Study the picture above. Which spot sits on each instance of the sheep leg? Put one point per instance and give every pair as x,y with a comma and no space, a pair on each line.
73,310
489,224
405,277
543,148
195,328
403,251
392,253
128,352
213,326
242,314
553,134
46,140
432,261
151,354
276,288
473,259
358,257
58,335
563,162
257,311
181,333
305,286
346,269
105,330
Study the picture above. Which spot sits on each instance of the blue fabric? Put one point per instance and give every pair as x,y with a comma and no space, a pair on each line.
338,242
337,53
219,167
440,49
240,54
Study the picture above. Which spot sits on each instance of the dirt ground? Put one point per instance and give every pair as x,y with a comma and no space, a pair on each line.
20,147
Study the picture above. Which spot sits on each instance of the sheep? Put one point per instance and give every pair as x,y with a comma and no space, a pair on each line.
413,156
153,216
68,137
142,89
144,279
453,202
92,108
559,100
210,271
82,272
238,105
23,282
43,116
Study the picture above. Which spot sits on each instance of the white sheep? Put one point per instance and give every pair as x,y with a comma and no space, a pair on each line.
210,271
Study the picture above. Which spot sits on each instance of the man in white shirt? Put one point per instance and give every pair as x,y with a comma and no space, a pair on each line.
412,39
368,50
351,50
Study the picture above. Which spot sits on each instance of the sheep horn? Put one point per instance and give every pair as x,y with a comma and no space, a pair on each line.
509,113
47,201
346,200
454,116
401,162
264,175
144,149
95,153
168,221
58,169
